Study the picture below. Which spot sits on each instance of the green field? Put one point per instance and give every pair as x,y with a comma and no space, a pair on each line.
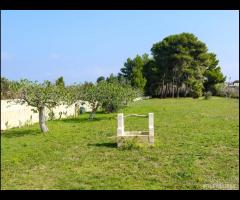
196,147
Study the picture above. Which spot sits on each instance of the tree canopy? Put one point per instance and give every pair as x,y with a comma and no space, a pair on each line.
100,78
133,71
38,95
109,96
60,82
180,66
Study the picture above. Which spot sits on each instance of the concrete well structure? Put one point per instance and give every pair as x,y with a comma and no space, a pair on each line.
122,135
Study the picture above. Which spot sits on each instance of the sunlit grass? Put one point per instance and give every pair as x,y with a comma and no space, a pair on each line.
196,147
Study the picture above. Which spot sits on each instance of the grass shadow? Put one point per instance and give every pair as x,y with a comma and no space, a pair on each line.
105,144
12,133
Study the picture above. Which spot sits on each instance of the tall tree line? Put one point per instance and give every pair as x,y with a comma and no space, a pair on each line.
180,66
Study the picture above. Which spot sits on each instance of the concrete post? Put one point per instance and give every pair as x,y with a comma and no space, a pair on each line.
151,127
120,129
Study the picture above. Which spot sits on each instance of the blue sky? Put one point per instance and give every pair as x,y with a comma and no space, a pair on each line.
83,45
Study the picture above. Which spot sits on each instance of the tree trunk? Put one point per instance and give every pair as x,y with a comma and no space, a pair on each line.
178,88
92,115
163,88
165,93
185,92
42,124
173,78
76,110
168,90
172,89
94,110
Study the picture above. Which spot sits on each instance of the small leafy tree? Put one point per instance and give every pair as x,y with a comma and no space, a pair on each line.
76,93
116,96
39,96
110,96
93,96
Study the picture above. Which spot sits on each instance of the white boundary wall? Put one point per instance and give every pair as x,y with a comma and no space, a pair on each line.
17,115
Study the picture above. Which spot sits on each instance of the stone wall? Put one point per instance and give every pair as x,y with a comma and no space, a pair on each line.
17,115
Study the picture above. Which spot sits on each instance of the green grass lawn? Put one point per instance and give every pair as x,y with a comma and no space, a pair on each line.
196,147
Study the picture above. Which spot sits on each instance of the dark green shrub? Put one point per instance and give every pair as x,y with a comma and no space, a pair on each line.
207,95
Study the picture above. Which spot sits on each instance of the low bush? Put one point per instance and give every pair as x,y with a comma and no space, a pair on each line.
130,144
223,90
207,95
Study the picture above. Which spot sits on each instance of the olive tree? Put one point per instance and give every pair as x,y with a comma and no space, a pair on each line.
39,96
78,93
105,95
115,96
